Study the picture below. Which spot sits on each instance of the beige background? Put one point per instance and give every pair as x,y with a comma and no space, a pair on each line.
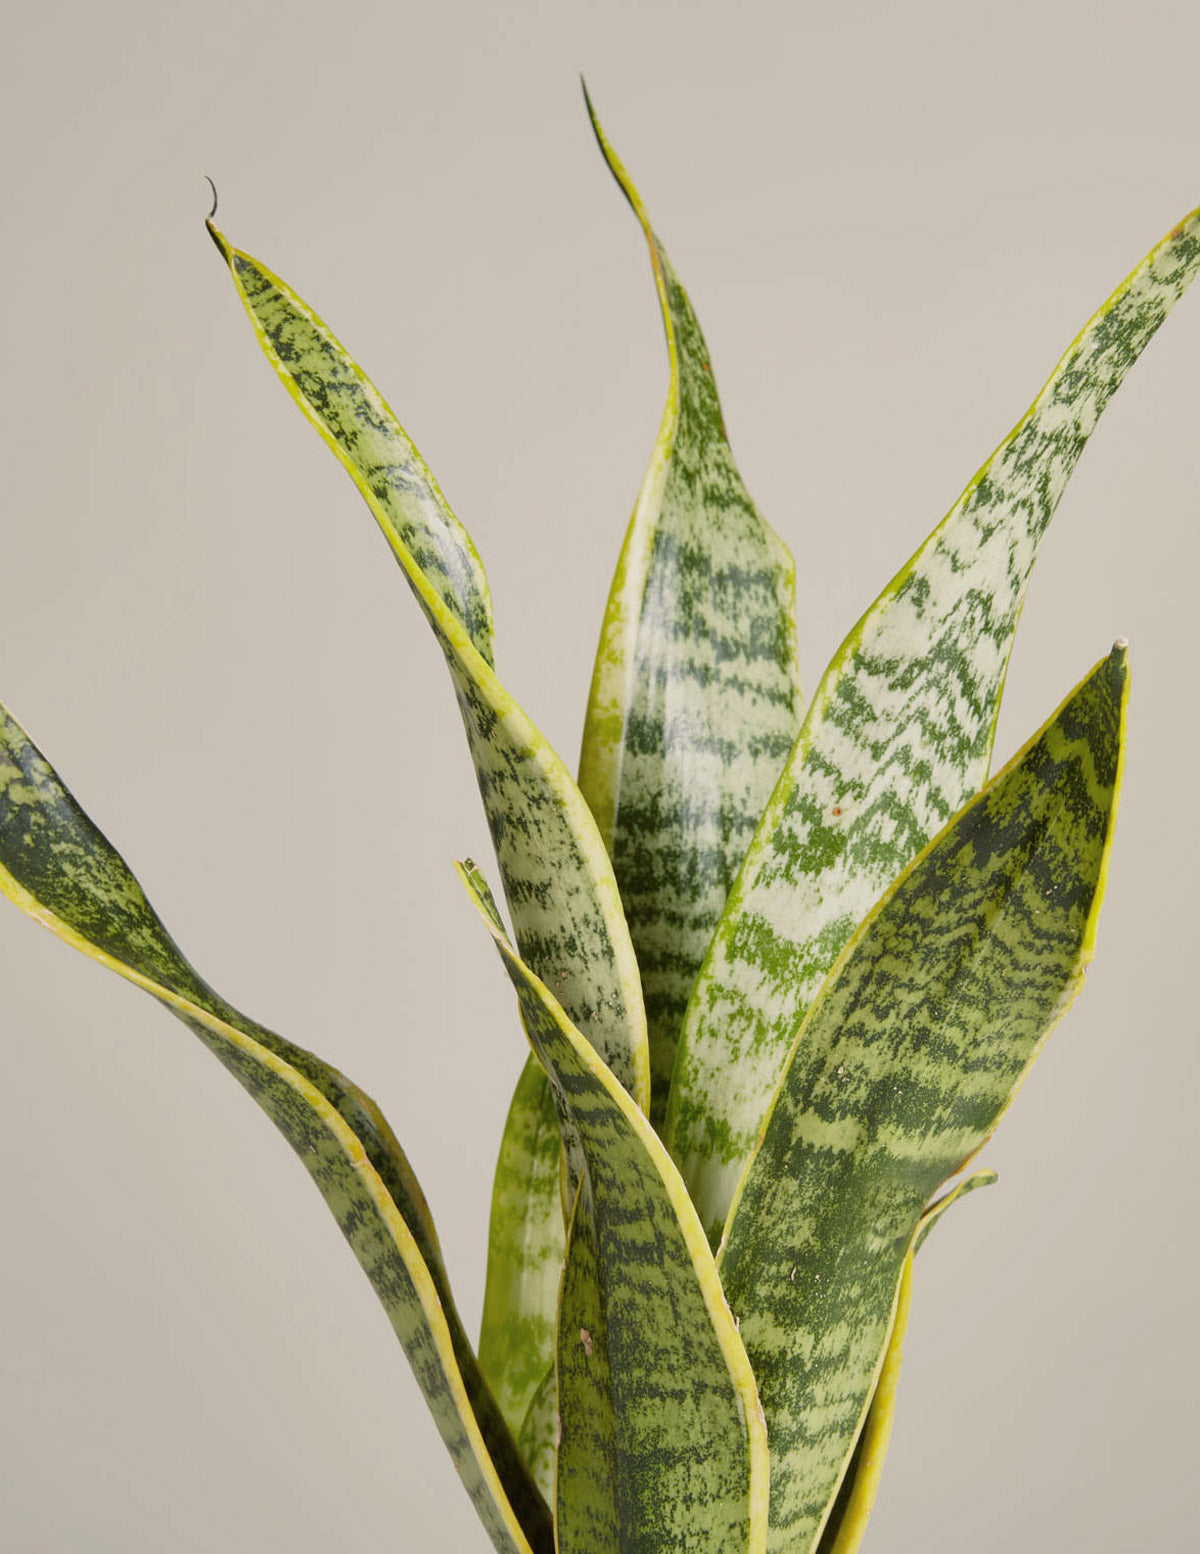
891,220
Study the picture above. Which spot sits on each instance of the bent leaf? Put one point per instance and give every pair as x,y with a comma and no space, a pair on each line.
899,735
910,1054
526,1245
843,1532
648,1354
695,697
557,877
57,867
938,1207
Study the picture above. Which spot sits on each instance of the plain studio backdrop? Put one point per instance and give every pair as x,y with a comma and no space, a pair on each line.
891,220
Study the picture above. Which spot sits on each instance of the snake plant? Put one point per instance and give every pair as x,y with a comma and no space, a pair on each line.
782,963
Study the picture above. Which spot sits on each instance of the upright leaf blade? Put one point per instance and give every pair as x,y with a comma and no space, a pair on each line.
557,876
695,697
666,1382
57,867
526,1246
899,735
908,1058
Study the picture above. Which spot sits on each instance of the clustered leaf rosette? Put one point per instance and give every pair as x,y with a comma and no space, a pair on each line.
781,964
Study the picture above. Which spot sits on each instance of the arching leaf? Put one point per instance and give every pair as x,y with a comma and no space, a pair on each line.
56,866
557,876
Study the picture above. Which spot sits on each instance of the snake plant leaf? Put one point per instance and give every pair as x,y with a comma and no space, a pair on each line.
57,867
938,1207
557,875
898,737
909,1055
689,1439
538,1438
588,1483
695,698
843,1532
526,1245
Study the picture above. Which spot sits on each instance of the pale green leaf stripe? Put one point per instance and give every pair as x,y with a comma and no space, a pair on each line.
910,1054
526,1244
899,735
57,867
690,1447
847,1524
557,876
695,698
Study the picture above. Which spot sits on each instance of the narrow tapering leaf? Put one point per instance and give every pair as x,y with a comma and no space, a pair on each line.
843,1532
666,1376
938,1207
695,698
899,735
557,877
910,1054
526,1244
56,866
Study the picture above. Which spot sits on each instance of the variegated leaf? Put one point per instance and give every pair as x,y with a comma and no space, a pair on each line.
56,866
590,1472
909,1056
538,1437
899,735
526,1244
938,1207
557,877
695,698
843,1532
648,1354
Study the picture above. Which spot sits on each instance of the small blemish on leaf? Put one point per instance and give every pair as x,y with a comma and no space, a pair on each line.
585,1338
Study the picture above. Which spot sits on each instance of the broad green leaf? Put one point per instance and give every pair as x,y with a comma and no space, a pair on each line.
910,1054
695,698
526,1245
557,876
843,1532
57,867
538,1437
648,1354
898,737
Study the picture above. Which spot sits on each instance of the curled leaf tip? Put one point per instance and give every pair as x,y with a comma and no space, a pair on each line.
212,213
